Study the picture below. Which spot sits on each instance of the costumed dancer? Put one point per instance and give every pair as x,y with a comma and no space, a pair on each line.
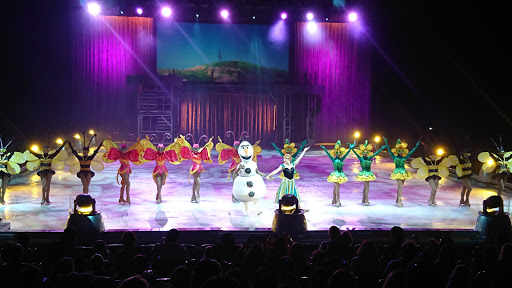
249,186
464,173
400,154
433,167
9,165
81,164
197,155
227,152
160,155
500,163
337,156
289,174
365,155
47,161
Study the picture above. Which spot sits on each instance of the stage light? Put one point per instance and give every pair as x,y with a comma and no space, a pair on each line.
197,15
59,141
253,17
490,162
224,13
139,11
166,12
34,148
85,219
312,28
310,16
326,19
288,218
121,12
492,220
440,151
352,17
77,136
284,15
357,135
377,139
93,8
91,132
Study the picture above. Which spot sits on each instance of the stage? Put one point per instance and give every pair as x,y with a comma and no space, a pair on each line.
217,212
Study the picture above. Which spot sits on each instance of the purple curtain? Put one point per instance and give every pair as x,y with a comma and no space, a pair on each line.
330,55
106,49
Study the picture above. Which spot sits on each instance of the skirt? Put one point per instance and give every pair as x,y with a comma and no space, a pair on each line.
287,187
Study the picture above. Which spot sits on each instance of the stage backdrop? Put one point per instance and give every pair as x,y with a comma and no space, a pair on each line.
106,49
332,55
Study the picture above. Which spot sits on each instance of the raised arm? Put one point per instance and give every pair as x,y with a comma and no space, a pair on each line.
378,151
352,149
327,152
73,150
58,150
345,156
300,156
413,149
97,150
389,149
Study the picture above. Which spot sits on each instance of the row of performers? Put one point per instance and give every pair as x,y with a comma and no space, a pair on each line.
431,167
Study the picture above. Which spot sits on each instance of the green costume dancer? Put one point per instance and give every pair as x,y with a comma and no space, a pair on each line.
337,156
365,156
400,154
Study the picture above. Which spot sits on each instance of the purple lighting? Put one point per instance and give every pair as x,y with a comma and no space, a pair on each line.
310,16
284,15
224,13
139,11
352,17
166,12
93,8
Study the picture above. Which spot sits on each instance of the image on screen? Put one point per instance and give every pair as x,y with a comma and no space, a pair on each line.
230,53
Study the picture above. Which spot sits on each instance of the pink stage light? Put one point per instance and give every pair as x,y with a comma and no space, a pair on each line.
139,11
352,17
310,16
224,13
166,12
93,8
284,15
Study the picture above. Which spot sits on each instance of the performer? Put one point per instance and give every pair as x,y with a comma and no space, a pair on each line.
337,156
197,155
47,161
365,156
289,175
464,173
500,163
289,148
81,165
9,165
125,155
227,152
433,167
160,155
400,154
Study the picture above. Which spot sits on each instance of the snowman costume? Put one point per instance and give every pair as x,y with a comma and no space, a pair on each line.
249,185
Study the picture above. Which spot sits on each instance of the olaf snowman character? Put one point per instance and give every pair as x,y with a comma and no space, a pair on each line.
249,185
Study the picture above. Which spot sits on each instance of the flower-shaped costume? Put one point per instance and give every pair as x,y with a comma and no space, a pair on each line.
9,162
433,166
365,156
500,163
337,161
195,154
227,152
48,163
400,154
124,154
160,155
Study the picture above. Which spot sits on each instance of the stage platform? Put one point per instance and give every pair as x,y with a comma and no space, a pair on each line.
217,212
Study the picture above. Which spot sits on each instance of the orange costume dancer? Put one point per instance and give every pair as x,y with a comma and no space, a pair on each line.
160,155
125,155
197,155
227,152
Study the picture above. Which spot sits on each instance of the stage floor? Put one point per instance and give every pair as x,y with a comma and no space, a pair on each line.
217,212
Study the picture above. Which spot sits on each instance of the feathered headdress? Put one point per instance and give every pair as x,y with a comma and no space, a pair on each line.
338,149
400,148
365,150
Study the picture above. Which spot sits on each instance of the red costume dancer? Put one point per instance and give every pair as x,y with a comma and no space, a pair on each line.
125,155
160,155
197,155
227,152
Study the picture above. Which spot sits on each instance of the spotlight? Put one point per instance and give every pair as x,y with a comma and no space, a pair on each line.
166,12
85,219
197,15
440,151
34,148
121,12
93,8
91,132
253,17
288,218
326,19
493,222
224,13
357,135
310,16
59,141
77,136
377,139
352,17
284,15
490,162
139,11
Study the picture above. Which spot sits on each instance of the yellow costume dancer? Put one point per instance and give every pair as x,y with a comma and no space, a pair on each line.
337,156
500,163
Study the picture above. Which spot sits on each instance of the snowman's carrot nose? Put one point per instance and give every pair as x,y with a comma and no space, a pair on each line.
246,153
